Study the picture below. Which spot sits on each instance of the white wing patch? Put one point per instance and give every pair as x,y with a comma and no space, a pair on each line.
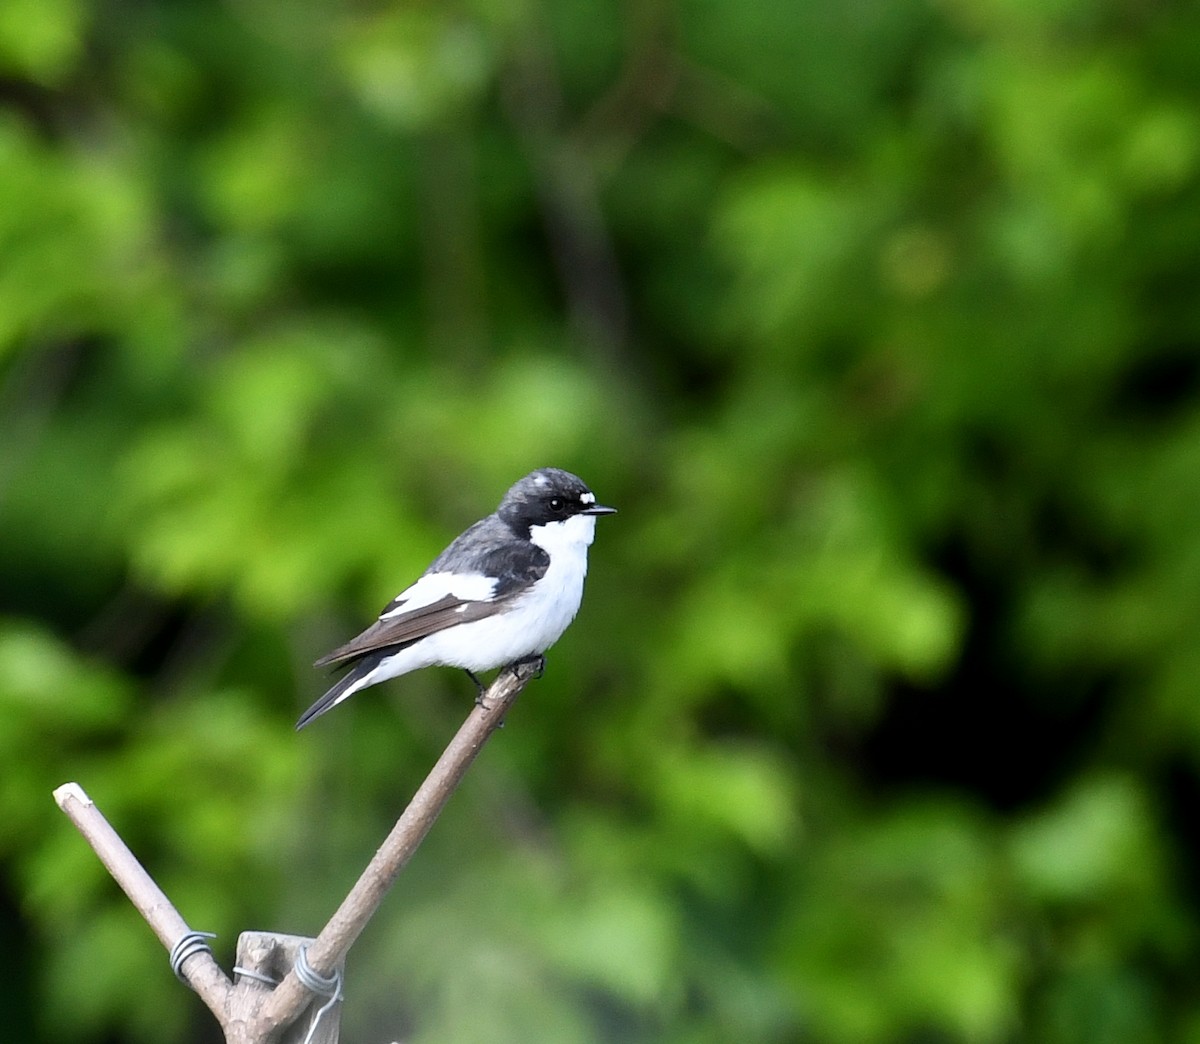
435,586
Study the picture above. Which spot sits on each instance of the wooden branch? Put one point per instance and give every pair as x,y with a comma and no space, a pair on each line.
263,959
250,1012
330,947
201,969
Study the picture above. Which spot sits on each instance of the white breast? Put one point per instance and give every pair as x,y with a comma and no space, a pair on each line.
534,623
548,609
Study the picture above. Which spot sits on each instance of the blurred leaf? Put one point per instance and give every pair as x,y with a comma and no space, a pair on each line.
42,40
1096,843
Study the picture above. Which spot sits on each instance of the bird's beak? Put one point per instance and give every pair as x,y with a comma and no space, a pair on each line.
598,509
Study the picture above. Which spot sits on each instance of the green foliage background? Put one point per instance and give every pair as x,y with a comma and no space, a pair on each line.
879,322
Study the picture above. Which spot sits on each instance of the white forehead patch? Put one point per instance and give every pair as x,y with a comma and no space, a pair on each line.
587,498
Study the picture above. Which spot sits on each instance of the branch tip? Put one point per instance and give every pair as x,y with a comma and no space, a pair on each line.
68,792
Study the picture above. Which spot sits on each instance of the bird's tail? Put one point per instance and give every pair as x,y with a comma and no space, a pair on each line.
357,677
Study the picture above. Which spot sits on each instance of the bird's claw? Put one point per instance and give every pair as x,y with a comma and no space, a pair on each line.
479,687
530,667
525,669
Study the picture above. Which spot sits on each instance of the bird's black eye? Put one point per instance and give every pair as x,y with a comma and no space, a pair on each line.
557,504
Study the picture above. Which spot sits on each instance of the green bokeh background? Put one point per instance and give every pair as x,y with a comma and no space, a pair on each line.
880,323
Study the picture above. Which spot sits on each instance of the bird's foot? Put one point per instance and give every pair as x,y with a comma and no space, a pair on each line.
531,666
480,690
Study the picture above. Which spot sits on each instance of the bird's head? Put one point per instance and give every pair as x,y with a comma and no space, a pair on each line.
551,500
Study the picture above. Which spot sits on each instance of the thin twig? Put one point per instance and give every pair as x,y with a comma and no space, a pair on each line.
201,969
330,947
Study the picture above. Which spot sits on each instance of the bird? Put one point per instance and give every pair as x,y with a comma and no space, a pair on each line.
501,593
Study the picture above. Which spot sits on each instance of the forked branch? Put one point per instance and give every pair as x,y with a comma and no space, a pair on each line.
248,1013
